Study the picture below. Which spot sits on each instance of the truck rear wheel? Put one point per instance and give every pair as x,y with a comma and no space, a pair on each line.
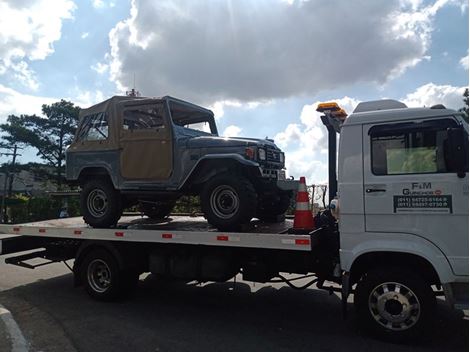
103,278
100,203
395,304
229,201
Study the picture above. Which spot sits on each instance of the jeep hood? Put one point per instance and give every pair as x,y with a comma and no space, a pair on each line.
214,141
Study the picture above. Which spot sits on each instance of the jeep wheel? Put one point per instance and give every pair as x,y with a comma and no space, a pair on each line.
157,210
229,201
269,208
100,203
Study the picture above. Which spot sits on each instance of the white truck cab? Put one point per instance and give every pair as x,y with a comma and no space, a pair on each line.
403,208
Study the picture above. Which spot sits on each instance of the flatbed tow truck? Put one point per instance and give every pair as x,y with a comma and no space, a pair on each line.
395,236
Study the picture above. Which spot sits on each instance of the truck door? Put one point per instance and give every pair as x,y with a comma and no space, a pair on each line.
146,143
410,187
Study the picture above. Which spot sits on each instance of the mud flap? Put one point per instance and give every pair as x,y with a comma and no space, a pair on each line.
345,291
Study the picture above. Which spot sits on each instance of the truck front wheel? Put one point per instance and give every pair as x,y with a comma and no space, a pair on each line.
100,203
394,303
229,201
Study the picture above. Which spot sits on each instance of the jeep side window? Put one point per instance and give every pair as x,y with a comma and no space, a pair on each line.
94,128
142,118
410,148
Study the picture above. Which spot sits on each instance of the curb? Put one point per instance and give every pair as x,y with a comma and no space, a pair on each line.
17,340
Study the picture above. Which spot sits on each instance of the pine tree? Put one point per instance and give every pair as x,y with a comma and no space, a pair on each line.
465,108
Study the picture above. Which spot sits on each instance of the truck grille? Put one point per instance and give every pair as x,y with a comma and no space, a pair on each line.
273,156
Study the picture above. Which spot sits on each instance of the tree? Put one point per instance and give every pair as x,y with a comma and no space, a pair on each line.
49,135
465,108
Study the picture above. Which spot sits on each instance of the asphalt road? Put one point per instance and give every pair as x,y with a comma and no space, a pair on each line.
162,316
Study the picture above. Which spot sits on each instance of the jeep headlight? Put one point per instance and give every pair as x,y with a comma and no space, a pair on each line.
261,154
281,158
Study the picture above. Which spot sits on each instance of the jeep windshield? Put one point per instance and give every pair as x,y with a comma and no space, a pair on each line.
192,117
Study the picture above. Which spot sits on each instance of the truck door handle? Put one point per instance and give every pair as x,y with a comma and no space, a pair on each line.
371,190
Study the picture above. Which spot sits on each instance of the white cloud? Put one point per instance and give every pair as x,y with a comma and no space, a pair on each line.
252,51
218,107
27,33
23,74
232,131
432,94
101,4
100,67
13,102
85,35
464,62
87,98
305,143
98,4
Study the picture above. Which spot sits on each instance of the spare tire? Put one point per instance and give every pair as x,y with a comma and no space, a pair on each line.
157,210
269,208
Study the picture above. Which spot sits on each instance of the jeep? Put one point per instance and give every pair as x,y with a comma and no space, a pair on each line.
149,152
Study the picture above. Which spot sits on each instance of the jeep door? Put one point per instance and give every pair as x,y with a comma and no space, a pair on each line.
146,142
410,186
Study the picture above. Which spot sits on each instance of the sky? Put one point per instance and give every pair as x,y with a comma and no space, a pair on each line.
261,66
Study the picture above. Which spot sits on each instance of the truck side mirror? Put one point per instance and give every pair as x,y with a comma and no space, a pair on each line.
458,151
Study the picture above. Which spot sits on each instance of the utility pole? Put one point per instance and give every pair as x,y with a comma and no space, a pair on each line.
12,171
7,177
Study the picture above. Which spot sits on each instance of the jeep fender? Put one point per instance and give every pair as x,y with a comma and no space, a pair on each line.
219,158
356,246
98,169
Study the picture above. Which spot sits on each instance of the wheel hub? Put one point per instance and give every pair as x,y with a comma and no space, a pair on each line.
97,203
99,275
224,201
394,306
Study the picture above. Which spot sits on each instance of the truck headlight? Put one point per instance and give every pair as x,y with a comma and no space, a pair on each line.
281,158
261,154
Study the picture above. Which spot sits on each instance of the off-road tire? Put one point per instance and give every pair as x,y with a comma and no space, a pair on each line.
419,292
157,210
224,189
271,207
97,191
104,280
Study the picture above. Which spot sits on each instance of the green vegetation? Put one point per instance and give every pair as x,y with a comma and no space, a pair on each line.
465,108
49,135
22,208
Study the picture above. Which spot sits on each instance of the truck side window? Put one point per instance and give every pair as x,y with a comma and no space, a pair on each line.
142,118
94,128
410,148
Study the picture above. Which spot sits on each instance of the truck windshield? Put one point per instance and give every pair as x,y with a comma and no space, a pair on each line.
411,148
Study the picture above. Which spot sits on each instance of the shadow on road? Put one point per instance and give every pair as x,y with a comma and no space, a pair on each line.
175,316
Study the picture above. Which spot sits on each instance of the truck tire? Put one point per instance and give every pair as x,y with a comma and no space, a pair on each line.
394,303
157,210
270,208
229,201
100,203
103,278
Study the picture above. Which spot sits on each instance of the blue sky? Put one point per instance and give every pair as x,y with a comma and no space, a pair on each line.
261,66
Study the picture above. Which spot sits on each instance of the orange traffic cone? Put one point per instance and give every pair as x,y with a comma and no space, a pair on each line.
303,217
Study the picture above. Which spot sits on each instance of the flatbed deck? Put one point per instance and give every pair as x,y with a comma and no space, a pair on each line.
175,229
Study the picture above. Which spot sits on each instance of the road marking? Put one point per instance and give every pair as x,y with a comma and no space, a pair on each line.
18,342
